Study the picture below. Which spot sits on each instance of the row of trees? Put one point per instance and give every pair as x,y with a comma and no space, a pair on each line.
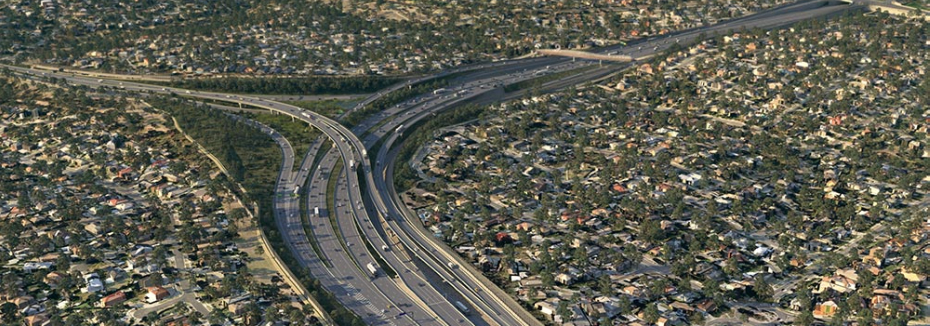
392,98
296,85
246,148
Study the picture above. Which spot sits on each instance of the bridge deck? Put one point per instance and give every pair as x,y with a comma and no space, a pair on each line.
585,55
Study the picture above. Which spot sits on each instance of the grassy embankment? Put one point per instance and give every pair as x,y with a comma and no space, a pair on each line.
253,160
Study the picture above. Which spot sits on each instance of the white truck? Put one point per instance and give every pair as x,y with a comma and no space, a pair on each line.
316,211
352,164
372,269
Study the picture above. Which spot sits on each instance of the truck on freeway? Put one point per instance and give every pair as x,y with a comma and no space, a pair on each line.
462,307
372,269
316,211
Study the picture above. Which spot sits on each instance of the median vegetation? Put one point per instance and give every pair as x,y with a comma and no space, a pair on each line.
388,270
329,108
298,133
331,186
390,99
397,97
306,220
253,160
288,85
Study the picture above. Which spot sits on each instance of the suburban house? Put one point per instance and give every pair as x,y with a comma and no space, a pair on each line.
155,294
113,299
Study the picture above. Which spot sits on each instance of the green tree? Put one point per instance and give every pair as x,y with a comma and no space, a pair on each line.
806,318
651,314
564,311
605,286
865,317
8,309
626,307
763,290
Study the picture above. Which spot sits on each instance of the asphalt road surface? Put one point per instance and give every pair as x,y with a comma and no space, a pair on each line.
373,299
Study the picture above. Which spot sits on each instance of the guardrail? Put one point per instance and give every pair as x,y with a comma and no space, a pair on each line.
497,295
153,78
293,282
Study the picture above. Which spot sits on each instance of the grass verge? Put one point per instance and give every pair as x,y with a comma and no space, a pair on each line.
288,85
395,97
306,219
388,270
331,209
330,108
297,132
253,159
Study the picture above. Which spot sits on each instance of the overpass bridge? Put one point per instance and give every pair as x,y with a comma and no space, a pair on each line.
781,16
585,55
891,7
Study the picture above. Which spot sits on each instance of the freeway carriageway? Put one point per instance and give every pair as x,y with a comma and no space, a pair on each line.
495,306
391,216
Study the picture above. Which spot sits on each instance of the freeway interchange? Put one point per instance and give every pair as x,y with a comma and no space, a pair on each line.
433,285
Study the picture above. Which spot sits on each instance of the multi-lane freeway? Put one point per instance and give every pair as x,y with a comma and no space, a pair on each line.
366,208
480,295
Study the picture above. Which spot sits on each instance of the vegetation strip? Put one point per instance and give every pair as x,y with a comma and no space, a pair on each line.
298,133
330,108
331,210
197,122
288,85
306,220
388,270
396,97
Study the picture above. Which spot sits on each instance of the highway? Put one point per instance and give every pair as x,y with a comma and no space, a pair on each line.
374,299
477,291
462,277
373,204
419,299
